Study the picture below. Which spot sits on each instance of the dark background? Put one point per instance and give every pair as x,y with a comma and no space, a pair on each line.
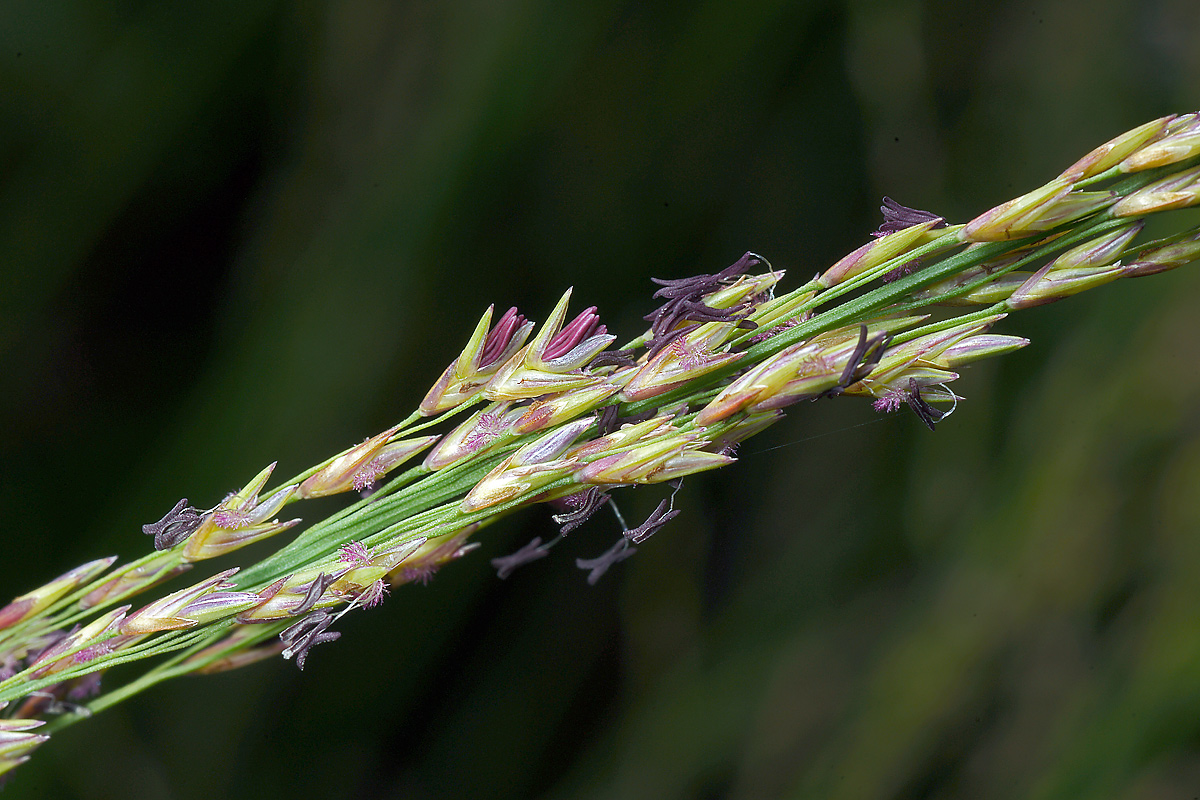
239,232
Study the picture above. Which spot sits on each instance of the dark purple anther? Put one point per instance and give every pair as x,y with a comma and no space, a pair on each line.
531,552
902,271
664,318
762,336
695,311
177,525
860,350
584,326
897,217
583,505
656,520
864,358
656,346
673,312
307,634
599,565
500,336
685,303
613,358
928,414
608,419
315,590
698,285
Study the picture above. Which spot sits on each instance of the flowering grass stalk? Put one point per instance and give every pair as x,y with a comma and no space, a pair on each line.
552,414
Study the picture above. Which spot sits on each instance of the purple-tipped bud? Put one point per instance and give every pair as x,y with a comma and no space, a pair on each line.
1113,152
687,462
204,602
421,564
877,252
760,382
558,408
551,445
219,541
727,442
984,345
637,463
484,354
1099,252
1047,286
10,725
645,430
362,465
530,467
32,603
1011,220
686,358
507,482
831,361
994,291
1171,150
62,653
1142,204
240,519
16,743
133,579
1154,260
1174,191
481,432
1037,212
1074,206
337,474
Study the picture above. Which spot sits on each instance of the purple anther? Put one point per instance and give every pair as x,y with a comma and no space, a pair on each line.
599,565
584,326
583,505
531,552
500,336
897,217
660,517
178,524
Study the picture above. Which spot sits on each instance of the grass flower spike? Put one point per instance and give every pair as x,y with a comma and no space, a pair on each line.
559,420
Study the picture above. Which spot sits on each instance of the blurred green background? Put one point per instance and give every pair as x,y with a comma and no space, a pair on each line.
239,232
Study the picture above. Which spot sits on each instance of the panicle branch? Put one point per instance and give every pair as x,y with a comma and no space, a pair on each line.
551,414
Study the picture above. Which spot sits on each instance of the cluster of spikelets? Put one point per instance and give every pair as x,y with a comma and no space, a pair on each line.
559,417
